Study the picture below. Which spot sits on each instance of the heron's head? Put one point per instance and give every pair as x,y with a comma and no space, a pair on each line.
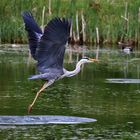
88,60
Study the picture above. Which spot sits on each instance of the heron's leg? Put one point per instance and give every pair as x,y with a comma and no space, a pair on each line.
38,93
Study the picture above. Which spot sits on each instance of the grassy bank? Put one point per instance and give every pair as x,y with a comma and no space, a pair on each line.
114,20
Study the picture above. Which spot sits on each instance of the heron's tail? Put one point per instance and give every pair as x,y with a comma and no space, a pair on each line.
34,31
38,76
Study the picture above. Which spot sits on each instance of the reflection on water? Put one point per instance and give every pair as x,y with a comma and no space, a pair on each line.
115,106
42,119
124,80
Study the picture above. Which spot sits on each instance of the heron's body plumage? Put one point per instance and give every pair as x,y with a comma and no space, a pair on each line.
47,47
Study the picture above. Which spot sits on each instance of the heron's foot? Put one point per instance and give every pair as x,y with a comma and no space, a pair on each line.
29,108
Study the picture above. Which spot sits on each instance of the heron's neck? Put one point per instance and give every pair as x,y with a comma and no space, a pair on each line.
75,71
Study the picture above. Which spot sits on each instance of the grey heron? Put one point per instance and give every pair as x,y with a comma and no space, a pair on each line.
47,48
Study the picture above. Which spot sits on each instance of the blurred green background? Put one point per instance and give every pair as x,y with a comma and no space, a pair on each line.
117,20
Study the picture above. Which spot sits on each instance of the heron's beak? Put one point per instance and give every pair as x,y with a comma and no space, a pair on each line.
93,60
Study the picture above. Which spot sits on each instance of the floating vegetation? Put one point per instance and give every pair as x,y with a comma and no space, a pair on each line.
100,21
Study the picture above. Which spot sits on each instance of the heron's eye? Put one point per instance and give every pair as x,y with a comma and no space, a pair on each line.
86,58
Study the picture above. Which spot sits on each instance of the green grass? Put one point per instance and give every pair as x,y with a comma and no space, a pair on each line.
104,14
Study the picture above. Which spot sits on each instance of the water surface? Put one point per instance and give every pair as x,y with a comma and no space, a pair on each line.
116,106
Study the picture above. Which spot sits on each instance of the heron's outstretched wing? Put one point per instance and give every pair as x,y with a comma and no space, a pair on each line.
50,53
34,32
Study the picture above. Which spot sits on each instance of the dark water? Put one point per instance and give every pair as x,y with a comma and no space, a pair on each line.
116,106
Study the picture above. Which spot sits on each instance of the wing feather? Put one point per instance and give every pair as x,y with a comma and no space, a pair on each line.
34,32
50,53
47,48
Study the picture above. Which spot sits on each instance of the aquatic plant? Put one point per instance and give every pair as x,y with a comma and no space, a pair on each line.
117,21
